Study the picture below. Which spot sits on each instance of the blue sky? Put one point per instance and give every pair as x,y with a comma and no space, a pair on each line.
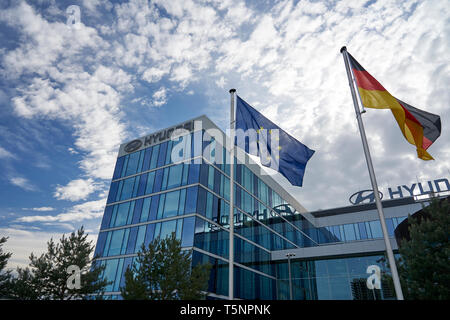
70,94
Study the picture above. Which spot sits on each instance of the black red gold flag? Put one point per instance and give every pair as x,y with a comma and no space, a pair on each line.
419,127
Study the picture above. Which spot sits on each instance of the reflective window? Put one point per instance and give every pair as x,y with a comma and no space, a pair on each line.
375,227
187,237
191,200
145,209
349,232
133,162
194,172
110,272
122,214
171,204
118,168
175,175
127,189
162,154
154,158
150,180
107,217
116,242
137,213
140,238
167,227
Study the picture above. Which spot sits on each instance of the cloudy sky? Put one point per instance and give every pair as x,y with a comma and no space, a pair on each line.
73,87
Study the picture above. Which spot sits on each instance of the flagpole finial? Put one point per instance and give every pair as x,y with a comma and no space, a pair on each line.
344,48
232,90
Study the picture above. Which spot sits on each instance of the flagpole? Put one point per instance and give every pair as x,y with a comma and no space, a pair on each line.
390,254
231,214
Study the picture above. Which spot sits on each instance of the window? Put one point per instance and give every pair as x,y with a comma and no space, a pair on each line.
116,242
162,154
145,209
142,184
132,240
375,226
122,214
167,228
133,162
110,272
154,208
150,180
187,236
210,177
165,177
209,205
182,201
201,203
127,189
162,198
171,204
107,217
154,158
194,171
158,180
149,234
100,244
390,227
140,238
349,232
113,192
147,157
118,168
125,164
362,230
175,175
169,152
191,200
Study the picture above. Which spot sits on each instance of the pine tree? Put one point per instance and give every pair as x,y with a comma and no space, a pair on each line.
48,277
163,272
424,264
5,276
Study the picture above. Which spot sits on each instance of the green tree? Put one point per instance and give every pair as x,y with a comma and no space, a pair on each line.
48,276
5,275
163,272
424,264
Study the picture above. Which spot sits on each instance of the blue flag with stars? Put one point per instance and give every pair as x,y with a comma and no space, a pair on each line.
276,148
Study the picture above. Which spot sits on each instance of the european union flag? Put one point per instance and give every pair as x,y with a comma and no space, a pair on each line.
276,148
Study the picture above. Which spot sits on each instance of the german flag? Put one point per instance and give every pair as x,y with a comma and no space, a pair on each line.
419,127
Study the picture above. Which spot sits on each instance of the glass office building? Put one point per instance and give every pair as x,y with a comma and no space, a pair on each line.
179,181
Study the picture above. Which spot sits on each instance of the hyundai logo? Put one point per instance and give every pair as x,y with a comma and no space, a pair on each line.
133,146
363,195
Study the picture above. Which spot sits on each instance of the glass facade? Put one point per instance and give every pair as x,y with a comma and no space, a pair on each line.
151,196
331,279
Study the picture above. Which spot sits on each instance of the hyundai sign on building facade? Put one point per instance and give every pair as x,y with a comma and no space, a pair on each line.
177,180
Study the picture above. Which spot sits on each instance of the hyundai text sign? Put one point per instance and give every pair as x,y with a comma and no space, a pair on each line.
416,189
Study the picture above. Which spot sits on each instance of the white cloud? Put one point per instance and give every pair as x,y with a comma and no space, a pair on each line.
5,154
42,209
159,97
23,183
84,211
75,190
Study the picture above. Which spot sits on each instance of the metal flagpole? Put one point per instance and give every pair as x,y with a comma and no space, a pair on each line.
390,254
231,214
